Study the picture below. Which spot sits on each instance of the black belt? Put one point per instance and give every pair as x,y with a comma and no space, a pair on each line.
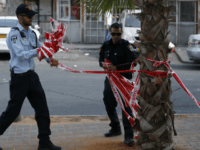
24,74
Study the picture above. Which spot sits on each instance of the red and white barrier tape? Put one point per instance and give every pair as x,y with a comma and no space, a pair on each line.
158,63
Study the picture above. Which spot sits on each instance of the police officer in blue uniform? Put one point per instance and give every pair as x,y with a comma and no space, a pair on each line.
118,51
23,44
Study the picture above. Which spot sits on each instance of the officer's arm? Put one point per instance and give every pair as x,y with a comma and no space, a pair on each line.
101,56
131,56
13,40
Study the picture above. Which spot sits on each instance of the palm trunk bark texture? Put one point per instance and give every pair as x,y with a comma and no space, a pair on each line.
156,121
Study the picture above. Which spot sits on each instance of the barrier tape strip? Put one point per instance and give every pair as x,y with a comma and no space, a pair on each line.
158,63
123,89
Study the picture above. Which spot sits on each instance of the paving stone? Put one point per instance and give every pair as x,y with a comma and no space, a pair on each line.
75,135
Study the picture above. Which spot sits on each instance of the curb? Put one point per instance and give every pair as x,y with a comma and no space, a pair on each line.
180,59
84,48
178,56
104,116
68,119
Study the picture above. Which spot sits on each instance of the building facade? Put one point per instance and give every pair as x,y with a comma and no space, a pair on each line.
186,20
43,7
2,7
84,27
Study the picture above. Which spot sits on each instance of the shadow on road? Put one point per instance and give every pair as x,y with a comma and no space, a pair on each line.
4,56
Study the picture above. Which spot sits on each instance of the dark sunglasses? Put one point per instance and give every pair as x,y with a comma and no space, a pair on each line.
29,17
118,34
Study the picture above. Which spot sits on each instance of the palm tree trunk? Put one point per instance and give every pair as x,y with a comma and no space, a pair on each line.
156,122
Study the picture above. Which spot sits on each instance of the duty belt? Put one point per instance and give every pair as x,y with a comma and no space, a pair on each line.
22,74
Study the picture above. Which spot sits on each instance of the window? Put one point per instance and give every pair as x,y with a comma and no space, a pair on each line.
132,21
63,9
75,10
68,10
187,11
94,28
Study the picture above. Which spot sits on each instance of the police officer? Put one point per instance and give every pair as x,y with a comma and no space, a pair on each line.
23,44
118,51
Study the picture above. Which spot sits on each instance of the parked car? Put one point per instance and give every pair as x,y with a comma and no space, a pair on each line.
6,23
130,24
193,49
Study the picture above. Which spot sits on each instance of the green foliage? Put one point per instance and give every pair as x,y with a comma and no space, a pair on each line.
101,6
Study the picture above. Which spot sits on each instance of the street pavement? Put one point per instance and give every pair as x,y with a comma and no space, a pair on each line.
70,98
74,94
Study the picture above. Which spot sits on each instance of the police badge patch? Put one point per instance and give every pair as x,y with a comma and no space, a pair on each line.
14,38
130,47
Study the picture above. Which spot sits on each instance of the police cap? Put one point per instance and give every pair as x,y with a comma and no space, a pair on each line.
25,9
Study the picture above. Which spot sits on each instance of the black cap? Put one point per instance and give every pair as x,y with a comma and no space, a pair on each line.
25,9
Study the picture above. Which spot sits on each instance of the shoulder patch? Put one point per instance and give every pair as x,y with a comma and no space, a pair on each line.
14,38
130,47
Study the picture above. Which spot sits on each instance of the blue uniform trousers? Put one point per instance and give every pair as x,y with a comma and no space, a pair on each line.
111,104
27,86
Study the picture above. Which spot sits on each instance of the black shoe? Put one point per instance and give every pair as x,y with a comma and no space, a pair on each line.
129,141
112,133
50,146
1,148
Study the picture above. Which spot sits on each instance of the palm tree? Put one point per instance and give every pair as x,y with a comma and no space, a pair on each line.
156,115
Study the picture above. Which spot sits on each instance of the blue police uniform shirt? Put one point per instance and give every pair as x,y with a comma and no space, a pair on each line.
21,49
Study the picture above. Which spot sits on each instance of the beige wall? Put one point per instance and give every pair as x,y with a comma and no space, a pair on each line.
2,8
11,6
73,32
45,9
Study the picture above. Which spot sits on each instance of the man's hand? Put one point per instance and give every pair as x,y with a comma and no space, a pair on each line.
104,67
54,63
112,68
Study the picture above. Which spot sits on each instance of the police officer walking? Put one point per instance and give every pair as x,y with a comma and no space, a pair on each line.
23,44
118,51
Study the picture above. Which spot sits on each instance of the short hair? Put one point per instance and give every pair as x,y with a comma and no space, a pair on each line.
19,15
116,25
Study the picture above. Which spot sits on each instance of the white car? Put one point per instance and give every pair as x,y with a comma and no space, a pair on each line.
130,25
6,23
193,49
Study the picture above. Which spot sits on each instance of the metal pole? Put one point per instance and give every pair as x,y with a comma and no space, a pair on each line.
51,8
38,12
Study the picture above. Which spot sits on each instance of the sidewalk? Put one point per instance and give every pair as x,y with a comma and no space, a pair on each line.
82,46
87,133
181,53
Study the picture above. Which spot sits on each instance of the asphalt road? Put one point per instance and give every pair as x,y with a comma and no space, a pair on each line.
81,94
